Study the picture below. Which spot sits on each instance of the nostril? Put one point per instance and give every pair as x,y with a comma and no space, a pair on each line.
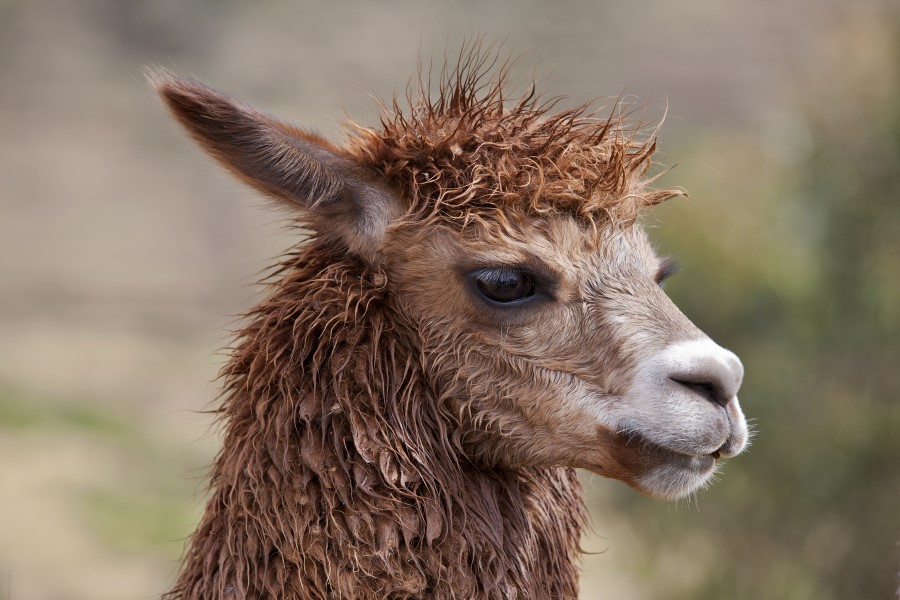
702,368
710,390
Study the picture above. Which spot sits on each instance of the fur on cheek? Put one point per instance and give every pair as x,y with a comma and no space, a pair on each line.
342,475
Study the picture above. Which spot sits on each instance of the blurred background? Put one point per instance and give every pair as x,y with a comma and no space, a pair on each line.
125,253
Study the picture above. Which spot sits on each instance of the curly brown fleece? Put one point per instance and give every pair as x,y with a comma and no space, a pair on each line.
346,469
341,476
469,150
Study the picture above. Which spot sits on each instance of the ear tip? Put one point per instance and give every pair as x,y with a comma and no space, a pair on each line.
159,78
174,88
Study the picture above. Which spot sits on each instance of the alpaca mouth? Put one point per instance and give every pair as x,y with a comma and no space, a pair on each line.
662,471
651,454
657,470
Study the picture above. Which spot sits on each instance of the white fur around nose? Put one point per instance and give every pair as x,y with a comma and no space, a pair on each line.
668,414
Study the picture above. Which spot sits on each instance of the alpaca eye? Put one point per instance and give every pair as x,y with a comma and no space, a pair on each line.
504,285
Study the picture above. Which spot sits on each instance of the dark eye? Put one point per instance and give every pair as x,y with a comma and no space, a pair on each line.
667,268
504,285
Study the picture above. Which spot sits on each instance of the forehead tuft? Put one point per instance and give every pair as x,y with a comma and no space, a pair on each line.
469,151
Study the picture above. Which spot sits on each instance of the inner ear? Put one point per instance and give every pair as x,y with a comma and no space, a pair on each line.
341,198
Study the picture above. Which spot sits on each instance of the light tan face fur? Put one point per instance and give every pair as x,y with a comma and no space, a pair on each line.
581,373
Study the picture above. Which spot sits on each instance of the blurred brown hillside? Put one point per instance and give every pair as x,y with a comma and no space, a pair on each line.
124,254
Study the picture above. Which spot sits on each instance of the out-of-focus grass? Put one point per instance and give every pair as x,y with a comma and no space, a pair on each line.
22,412
90,488
139,521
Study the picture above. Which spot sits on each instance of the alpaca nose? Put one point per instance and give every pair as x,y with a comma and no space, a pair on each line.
708,370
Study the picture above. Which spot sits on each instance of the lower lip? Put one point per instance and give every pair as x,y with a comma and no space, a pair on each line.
688,462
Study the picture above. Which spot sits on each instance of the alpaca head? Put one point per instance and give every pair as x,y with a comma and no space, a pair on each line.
509,241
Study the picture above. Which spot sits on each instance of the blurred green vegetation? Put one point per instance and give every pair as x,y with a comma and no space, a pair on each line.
142,508
21,411
793,260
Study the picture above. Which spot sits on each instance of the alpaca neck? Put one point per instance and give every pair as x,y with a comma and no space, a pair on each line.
341,476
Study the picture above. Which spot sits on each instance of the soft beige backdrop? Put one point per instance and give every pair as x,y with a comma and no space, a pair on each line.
124,252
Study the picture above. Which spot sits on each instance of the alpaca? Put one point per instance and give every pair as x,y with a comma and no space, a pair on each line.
476,314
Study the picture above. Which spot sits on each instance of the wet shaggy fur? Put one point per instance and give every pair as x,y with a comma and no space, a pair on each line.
341,476
471,152
350,465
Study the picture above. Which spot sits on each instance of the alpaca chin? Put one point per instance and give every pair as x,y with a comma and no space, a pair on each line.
678,478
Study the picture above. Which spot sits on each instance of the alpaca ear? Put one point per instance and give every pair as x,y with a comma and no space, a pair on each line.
342,198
